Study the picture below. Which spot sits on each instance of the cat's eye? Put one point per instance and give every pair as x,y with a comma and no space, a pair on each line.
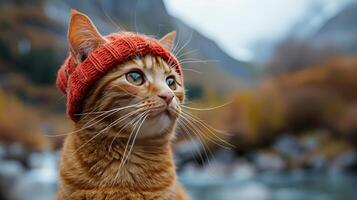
171,82
135,77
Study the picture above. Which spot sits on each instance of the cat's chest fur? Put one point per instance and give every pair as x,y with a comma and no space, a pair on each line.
92,172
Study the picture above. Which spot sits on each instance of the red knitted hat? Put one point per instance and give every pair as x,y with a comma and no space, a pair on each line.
75,81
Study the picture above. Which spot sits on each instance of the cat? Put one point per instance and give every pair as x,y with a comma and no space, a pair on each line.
121,144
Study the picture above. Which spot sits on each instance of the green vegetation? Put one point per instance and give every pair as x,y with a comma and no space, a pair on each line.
40,65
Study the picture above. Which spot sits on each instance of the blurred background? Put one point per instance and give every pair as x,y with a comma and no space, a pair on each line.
288,69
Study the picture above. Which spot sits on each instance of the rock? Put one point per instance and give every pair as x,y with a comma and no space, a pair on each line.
247,191
189,151
45,170
38,190
10,172
288,193
15,151
345,162
288,145
309,143
214,170
224,156
243,171
39,179
2,151
317,162
269,162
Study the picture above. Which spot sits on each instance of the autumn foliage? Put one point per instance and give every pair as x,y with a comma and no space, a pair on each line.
320,97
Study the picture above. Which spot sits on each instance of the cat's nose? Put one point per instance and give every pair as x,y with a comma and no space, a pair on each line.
167,97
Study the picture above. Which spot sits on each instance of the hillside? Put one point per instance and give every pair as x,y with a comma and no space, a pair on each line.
340,31
41,26
151,17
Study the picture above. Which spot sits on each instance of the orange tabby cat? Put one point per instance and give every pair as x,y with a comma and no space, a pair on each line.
121,144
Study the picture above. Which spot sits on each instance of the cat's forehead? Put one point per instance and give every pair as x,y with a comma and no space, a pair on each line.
153,63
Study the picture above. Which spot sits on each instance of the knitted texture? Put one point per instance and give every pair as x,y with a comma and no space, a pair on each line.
75,81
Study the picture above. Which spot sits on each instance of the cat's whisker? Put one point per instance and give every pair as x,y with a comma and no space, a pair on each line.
132,123
117,121
130,136
135,22
176,44
208,128
129,92
121,129
86,116
114,94
193,70
201,140
137,105
196,59
186,131
224,132
95,109
176,49
135,123
186,53
102,131
184,45
206,109
100,112
80,147
135,136
118,27
183,62
199,130
195,131
186,102
129,139
102,116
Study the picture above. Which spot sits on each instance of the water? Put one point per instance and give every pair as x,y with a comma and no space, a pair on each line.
274,186
218,181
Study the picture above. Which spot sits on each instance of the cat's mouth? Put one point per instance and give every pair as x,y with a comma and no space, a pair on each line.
160,111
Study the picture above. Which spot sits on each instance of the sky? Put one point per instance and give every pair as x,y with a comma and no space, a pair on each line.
237,25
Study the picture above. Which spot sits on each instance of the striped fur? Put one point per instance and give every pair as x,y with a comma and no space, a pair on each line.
90,167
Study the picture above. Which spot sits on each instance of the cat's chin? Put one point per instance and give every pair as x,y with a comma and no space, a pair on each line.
159,113
157,124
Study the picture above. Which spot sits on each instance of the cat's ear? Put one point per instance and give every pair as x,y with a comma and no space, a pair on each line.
83,36
168,40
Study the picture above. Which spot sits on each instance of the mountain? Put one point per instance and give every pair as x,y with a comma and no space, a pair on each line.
330,26
325,26
33,39
340,31
151,17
